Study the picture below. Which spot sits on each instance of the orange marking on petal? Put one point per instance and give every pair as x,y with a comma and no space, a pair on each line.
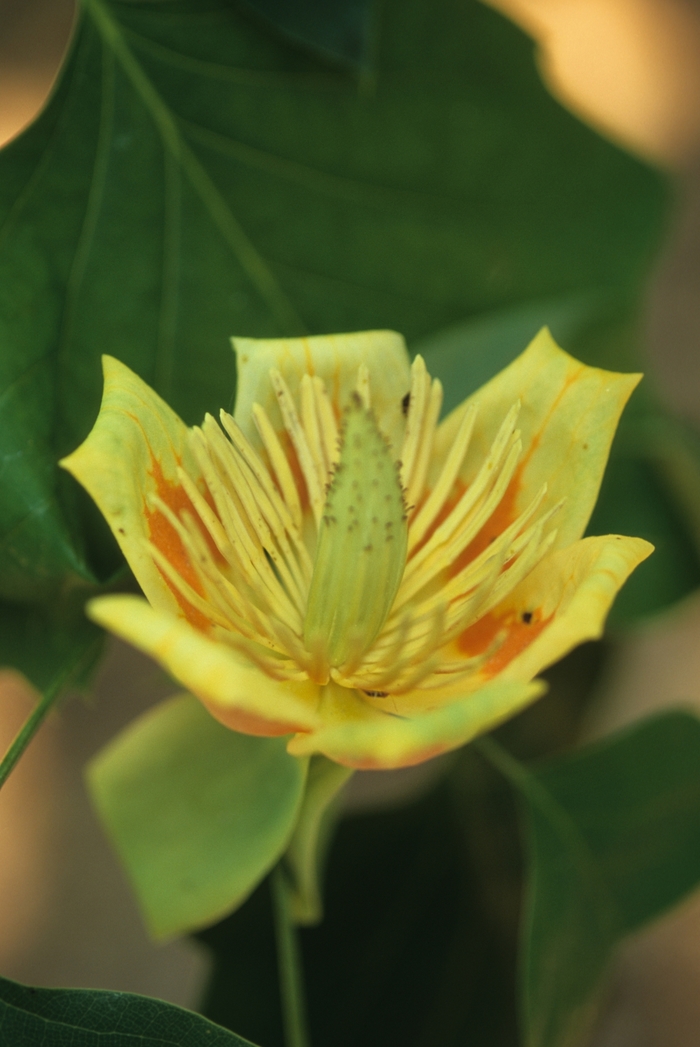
371,763
536,439
520,629
167,541
249,723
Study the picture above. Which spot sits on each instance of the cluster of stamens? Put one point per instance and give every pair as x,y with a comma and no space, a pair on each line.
254,536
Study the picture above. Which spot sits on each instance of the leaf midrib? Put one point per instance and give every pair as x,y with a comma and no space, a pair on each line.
247,254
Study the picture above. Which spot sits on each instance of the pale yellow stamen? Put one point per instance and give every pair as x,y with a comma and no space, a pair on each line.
315,483
254,505
252,561
469,515
219,591
421,462
283,518
424,403
279,463
438,496
262,507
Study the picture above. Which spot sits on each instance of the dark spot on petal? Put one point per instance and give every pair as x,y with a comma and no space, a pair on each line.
527,617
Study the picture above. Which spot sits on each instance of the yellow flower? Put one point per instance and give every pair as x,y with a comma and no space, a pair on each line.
334,563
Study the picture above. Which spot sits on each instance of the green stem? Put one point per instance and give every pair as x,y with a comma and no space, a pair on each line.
38,714
289,965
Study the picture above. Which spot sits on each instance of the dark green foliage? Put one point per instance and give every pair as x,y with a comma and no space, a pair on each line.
91,1018
613,841
407,954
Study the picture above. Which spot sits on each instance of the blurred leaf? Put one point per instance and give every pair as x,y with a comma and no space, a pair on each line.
466,355
198,813
338,29
195,176
614,841
92,1018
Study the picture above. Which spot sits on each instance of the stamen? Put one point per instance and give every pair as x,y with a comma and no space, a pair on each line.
280,465
421,464
420,384
314,483
312,429
472,511
283,521
438,496
257,509
231,604
254,565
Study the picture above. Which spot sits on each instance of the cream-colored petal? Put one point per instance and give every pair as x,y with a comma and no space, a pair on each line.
568,418
236,692
132,452
381,741
334,358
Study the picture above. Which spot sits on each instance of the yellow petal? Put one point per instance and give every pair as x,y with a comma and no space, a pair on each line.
237,693
133,452
561,604
568,418
371,740
334,358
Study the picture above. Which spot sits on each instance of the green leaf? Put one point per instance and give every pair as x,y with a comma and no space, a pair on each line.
198,814
337,29
465,356
196,176
42,641
306,854
93,1018
614,842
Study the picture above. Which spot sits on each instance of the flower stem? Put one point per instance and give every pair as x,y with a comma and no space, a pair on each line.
38,714
289,963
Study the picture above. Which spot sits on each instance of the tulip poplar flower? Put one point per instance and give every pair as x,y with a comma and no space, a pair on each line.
336,564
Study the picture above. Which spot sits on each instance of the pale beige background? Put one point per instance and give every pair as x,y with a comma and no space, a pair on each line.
631,67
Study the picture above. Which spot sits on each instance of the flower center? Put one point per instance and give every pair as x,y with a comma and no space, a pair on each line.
325,558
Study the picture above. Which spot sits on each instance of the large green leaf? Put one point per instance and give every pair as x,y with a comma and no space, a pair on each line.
93,1018
337,29
614,840
198,814
195,175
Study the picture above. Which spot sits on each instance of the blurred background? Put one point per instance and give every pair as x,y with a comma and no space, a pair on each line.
631,68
